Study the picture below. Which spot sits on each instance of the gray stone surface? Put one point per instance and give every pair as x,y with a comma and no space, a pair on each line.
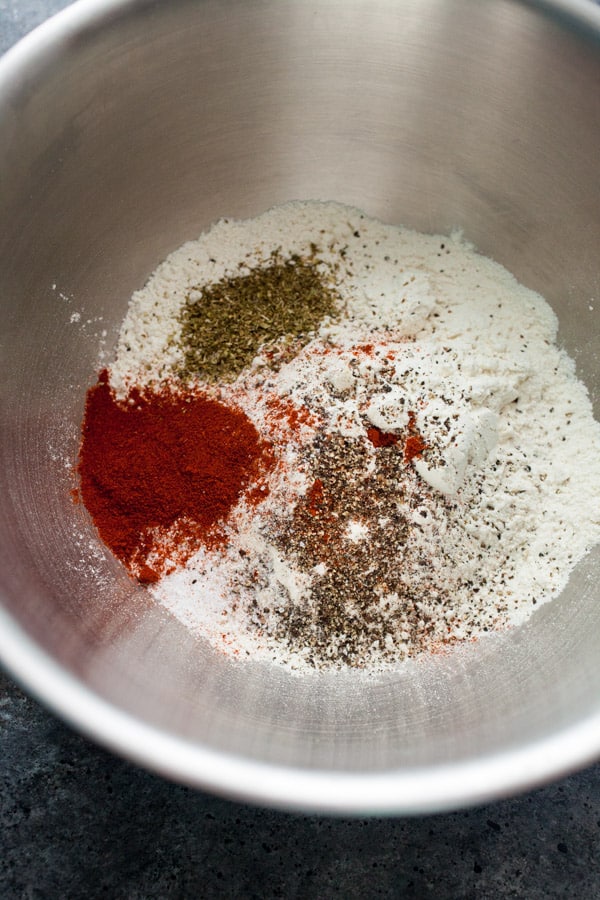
76,822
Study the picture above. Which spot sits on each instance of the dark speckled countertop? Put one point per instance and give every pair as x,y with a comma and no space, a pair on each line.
77,822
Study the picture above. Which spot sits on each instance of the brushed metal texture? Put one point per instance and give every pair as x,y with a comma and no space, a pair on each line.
127,128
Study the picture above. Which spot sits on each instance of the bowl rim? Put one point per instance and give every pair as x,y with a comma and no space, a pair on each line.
411,791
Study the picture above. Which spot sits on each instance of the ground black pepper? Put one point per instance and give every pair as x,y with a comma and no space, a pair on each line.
342,617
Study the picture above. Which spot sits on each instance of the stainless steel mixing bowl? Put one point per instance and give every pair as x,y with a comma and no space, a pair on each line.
125,129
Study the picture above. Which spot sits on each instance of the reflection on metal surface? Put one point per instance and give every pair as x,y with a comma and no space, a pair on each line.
126,129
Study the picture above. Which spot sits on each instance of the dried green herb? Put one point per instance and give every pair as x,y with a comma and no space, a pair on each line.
223,328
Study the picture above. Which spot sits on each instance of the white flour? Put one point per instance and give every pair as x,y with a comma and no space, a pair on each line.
437,344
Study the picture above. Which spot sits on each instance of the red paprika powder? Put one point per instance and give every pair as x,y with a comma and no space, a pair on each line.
414,445
160,471
381,438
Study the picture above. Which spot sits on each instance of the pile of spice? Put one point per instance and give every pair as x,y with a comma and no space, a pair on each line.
325,441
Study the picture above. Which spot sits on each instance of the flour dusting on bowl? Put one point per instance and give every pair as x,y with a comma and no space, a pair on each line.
328,442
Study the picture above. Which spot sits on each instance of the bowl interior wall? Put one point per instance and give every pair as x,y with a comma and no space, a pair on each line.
128,139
